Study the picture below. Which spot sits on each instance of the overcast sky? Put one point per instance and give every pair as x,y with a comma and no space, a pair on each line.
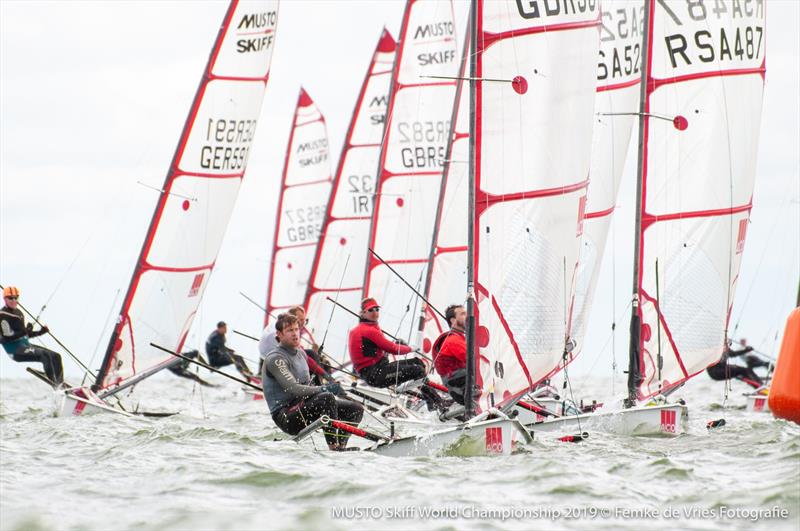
93,96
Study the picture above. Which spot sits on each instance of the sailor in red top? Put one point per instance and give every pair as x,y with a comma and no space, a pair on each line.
368,349
450,352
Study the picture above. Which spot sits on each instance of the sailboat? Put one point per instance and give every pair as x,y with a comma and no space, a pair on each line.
699,115
531,104
337,270
192,212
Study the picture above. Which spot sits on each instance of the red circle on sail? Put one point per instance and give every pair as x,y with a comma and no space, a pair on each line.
289,265
482,336
426,345
117,345
400,202
342,241
519,84
185,204
680,123
646,332
506,394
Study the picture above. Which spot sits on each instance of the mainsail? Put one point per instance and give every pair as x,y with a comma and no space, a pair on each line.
616,103
338,266
701,112
534,102
198,195
412,159
305,190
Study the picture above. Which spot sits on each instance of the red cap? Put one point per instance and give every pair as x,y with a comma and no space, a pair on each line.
369,303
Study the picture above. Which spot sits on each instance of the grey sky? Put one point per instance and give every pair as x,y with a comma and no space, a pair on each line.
93,96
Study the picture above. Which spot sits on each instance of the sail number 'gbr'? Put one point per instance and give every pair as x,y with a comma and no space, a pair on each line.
532,8
422,157
713,42
227,157
304,224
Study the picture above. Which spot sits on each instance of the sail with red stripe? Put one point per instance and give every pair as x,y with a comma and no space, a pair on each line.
198,196
705,69
446,279
338,266
616,103
412,161
305,190
536,72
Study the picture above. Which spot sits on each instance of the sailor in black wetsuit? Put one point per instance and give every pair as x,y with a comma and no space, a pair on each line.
182,369
293,403
14,336
219,355
726,371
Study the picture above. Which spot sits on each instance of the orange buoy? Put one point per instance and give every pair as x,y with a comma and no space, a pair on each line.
784,393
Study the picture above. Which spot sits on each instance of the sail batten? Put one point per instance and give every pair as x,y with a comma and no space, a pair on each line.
185,235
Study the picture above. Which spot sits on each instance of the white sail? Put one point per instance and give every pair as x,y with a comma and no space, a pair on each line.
447,274
199,192
412,159
705,74
338,266
533,140
305,190
616,104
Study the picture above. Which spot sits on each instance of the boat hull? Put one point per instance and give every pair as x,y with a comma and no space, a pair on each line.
758,402
79,402
660,420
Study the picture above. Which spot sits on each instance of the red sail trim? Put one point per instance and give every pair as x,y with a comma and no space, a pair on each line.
599,213
484,200
374,262
512,340
238,78
386,44
309,183
150,267
489,38
459,248
655,83
649,219
616,86
171,173
666,329
403,86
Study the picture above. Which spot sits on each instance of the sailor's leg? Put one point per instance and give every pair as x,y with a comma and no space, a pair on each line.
241,366
349,412
317,406
51,361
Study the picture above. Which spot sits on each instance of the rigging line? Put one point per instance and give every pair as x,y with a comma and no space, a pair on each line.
416,304
257,305
567,382
102,334
161,190
407,284
333,309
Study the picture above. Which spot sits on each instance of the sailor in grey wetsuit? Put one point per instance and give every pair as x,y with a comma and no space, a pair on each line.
293,403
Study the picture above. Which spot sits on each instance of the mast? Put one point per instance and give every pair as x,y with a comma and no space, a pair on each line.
469,382
634,372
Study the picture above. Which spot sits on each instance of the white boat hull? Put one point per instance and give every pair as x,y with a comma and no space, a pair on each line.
487,437
665,420
70,404
757,402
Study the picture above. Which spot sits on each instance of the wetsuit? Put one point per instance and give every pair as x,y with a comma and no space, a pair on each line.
14,337
294,404
450,360
182,369
219,355
368,348
724,370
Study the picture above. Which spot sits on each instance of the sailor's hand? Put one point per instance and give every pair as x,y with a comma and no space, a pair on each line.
400,342
44,330
748,348
314,347
29,328
334,387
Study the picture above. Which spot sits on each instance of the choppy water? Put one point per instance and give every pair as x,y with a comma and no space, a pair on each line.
227,471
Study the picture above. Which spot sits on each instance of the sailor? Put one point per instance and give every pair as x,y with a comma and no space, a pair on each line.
368,349
14,334
293,402
450,353
269,341
182,369
219,355
723,370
